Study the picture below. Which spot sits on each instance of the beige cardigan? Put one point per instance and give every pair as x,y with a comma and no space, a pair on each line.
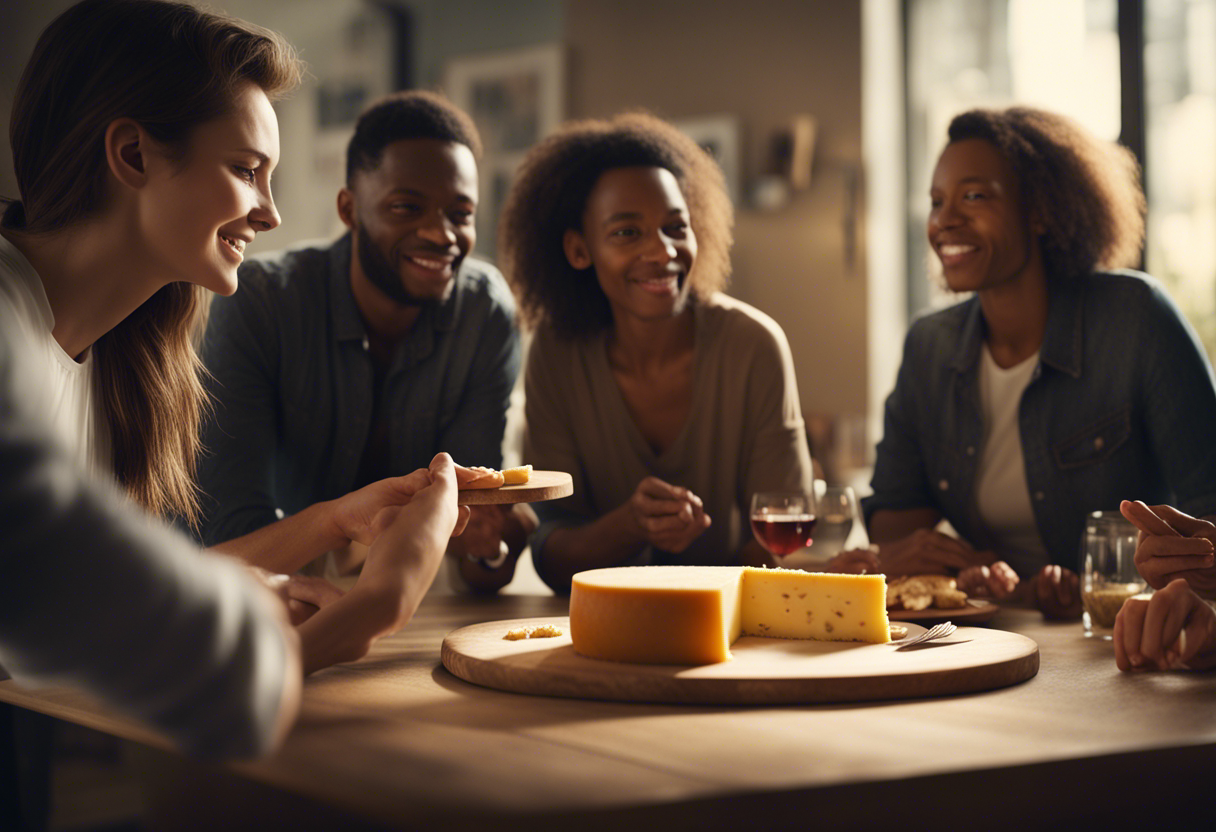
744,433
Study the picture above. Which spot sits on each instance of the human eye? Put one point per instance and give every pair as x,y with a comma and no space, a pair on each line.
462,216
623,232
404,207
974,195
248,174
679,228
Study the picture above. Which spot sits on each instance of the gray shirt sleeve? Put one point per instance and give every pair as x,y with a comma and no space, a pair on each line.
97,596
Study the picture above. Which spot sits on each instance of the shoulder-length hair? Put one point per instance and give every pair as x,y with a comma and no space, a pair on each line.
170,67
1085,190
550,194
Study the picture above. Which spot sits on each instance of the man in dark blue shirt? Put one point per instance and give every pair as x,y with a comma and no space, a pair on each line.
337,367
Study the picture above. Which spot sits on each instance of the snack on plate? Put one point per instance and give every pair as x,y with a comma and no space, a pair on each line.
477,477
920,592
898,631
517,476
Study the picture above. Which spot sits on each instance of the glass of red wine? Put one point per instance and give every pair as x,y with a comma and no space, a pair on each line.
782,521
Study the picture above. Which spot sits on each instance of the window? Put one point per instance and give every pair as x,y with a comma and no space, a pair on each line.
1064,55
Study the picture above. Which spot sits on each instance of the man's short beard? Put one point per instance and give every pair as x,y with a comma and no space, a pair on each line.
381,274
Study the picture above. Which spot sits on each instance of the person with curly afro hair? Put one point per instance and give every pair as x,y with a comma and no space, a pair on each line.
1065,384
669,402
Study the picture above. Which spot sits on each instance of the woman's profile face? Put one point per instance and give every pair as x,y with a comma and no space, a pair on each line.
638,237
203,210
977,225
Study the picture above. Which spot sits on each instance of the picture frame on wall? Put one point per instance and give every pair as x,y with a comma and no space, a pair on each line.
719,135
515,98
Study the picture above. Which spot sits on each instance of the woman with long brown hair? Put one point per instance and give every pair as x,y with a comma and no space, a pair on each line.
143,141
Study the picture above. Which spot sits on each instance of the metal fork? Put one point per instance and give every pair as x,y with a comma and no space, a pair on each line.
935,632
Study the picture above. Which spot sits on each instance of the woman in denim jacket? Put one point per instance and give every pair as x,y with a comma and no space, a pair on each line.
1062,386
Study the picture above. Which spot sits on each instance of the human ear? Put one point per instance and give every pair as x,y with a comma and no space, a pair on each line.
346,207
125,147
575,247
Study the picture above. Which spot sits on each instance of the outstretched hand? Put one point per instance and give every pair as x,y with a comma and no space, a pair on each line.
1173,545
362,515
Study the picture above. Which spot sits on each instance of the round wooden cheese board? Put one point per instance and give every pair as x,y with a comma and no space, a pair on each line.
542,485
764,671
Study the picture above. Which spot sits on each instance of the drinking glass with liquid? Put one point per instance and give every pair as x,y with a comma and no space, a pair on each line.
783,521
1108,571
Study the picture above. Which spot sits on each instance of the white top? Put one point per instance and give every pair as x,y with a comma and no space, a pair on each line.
65,394
106,599
1002,495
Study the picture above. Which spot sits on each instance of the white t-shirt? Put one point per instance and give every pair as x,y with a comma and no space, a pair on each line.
1001,492
66,395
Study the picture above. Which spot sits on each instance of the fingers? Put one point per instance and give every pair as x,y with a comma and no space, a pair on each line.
1184,523
462,520
313,590
1127,634
1056,592
1144,518
1161,559
443,468
855,562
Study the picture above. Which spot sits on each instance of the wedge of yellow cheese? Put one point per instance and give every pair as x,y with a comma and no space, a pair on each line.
692,614
516,476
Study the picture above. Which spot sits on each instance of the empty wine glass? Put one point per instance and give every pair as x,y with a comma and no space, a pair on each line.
837,511
783,521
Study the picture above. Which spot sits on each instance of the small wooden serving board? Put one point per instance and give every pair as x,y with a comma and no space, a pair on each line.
542,485
764,671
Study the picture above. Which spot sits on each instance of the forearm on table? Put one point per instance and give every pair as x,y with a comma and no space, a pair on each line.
891,525
345,630
607,541
286,545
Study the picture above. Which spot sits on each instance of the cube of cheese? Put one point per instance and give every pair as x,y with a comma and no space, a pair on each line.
692,614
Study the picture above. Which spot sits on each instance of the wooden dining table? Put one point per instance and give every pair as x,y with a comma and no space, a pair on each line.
396,741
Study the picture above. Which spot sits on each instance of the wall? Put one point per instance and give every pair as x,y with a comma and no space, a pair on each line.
763,61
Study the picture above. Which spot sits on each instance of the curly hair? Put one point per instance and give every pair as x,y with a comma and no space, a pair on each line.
551,192
413,114
1086,190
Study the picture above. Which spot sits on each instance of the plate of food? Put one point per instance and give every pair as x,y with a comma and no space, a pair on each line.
488,486
927,599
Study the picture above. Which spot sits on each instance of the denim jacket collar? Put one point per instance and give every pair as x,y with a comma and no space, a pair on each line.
348,322
1062,344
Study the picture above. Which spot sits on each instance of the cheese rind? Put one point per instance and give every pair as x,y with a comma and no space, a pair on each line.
692,614
656,614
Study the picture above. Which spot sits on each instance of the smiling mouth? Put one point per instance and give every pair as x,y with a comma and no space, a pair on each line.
236,245
430,264
658,280
954,249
